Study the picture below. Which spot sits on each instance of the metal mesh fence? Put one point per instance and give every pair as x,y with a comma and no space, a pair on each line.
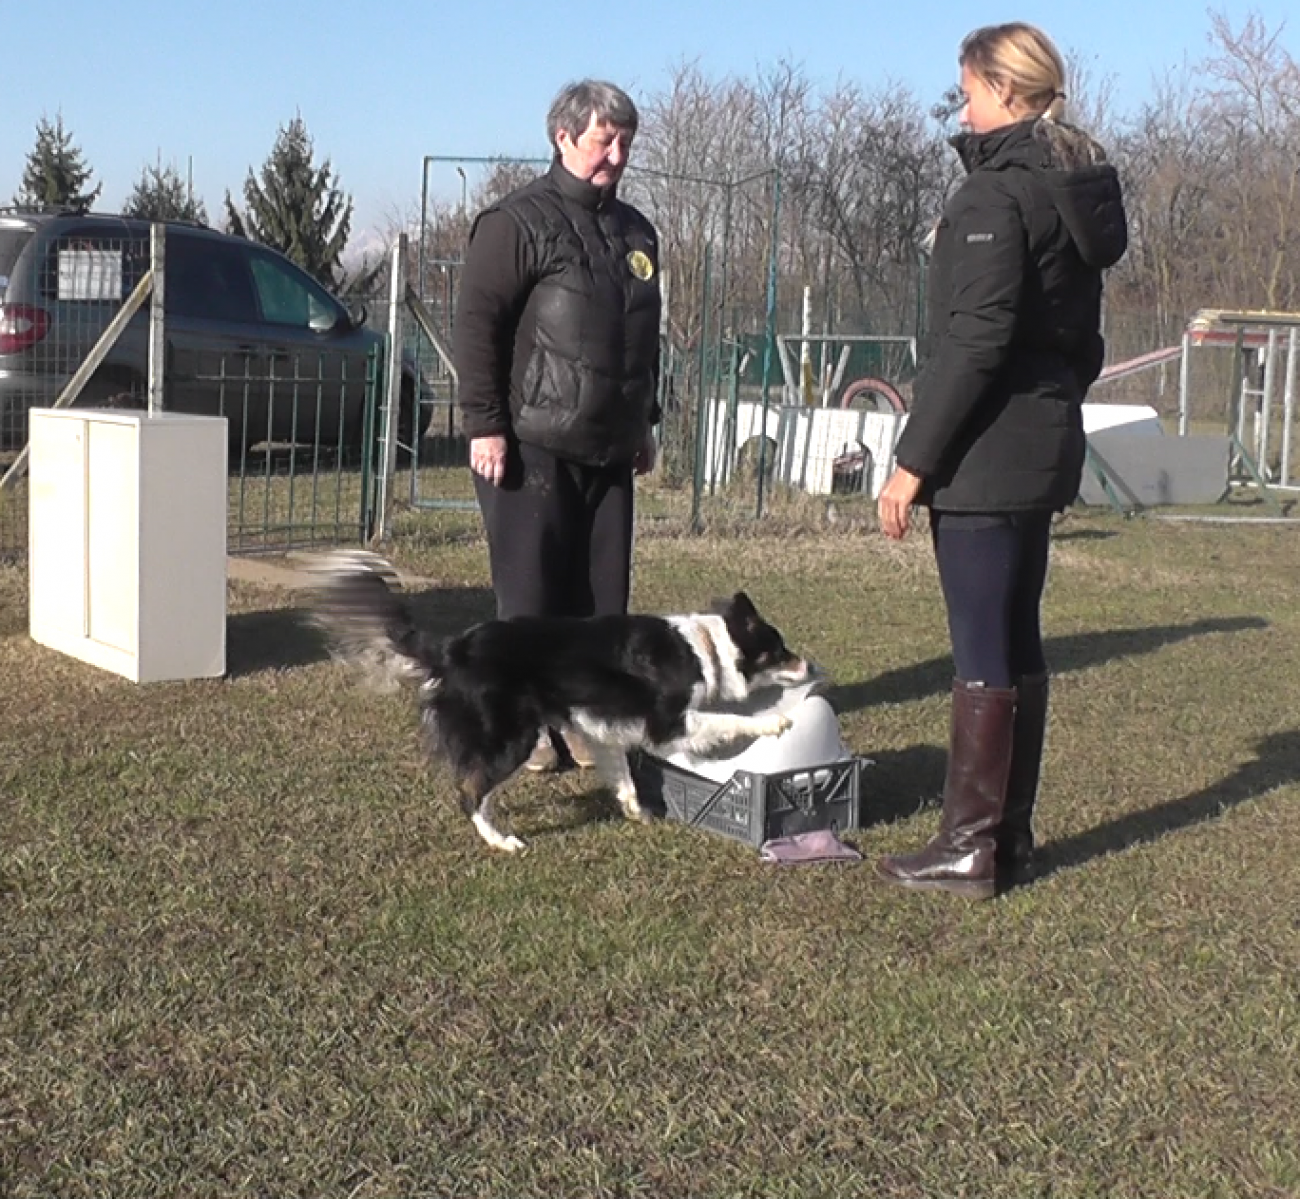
58,293
61,294
248,338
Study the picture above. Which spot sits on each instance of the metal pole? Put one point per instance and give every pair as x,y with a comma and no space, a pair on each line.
157,324
805,351
724,280
727,451
922,277
1185,385
1237,403
1265,410
1288,402
424,217
392,386
701,400
769,339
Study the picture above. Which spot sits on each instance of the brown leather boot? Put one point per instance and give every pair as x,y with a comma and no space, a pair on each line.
1016,836
963,857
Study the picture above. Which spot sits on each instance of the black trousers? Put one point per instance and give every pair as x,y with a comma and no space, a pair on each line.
993,569
559,536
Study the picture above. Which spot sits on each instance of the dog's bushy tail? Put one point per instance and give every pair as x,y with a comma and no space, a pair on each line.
355,602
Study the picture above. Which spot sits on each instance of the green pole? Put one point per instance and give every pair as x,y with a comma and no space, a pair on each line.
701,401
727,449
368,498
724,274
769,338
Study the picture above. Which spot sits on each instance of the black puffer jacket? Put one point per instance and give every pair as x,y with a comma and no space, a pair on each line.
1014,308
556,340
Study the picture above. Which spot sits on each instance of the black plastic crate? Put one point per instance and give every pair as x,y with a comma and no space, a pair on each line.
754,807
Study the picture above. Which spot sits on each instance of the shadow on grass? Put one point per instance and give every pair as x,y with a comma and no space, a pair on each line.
1075,652
283,637
596,805
1083,534
901,783
1277,765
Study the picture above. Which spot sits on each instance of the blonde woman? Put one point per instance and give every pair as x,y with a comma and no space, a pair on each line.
994,442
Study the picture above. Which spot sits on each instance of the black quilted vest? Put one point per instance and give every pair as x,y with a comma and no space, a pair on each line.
587,349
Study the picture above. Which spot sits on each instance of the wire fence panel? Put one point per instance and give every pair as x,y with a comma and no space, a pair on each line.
60,296
302,472
247,338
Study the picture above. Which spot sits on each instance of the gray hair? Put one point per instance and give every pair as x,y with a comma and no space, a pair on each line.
576,103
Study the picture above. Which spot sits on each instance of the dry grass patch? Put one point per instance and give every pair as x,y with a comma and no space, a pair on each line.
251,947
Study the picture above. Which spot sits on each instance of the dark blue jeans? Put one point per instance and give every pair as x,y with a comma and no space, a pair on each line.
993,568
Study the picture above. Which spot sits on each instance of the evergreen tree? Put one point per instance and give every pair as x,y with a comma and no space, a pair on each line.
162,195
296,207
56,173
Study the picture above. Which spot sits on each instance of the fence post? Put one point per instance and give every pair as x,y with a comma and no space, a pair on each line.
1288,403
1264,413
157,322
769,339
702,400
390,415
1185,385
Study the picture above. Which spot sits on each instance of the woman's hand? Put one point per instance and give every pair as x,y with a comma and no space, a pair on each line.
894,505
487,458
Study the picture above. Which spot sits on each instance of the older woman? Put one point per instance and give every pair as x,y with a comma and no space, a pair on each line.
994,443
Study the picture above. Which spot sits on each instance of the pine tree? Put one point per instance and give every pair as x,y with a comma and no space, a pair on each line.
297,208
162,195
56,172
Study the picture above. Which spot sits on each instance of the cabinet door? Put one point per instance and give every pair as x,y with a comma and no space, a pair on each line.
113,535
57,528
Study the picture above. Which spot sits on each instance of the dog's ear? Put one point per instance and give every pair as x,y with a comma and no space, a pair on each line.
743,606
739,608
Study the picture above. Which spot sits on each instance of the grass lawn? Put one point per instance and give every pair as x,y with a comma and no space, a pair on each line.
249,946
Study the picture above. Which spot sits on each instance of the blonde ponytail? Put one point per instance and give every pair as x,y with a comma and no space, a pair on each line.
1021,59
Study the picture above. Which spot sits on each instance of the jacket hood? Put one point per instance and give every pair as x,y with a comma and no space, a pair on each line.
1083,186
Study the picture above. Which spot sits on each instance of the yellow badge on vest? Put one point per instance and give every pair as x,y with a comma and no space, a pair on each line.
639,263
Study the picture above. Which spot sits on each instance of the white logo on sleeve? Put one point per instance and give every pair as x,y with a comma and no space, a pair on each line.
978,237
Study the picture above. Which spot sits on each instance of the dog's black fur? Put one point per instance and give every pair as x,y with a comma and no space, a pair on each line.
624,682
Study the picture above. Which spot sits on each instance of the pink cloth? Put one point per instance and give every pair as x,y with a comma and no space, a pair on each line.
820,845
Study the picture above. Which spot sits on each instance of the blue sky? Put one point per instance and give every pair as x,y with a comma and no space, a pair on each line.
381,85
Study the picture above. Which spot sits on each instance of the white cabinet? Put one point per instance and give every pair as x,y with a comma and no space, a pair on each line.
127,531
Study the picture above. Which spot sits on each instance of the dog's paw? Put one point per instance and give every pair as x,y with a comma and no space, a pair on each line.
632,809
494,837
773,726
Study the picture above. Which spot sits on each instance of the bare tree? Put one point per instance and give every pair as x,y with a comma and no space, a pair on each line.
1257,104
1171,160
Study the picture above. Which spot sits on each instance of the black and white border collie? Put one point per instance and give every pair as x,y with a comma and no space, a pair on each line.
624,682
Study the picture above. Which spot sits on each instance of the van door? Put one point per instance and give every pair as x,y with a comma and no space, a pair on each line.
320,358
217,357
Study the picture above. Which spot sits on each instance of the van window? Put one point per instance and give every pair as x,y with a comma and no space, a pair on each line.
208,280
12,242
100,261
290,296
